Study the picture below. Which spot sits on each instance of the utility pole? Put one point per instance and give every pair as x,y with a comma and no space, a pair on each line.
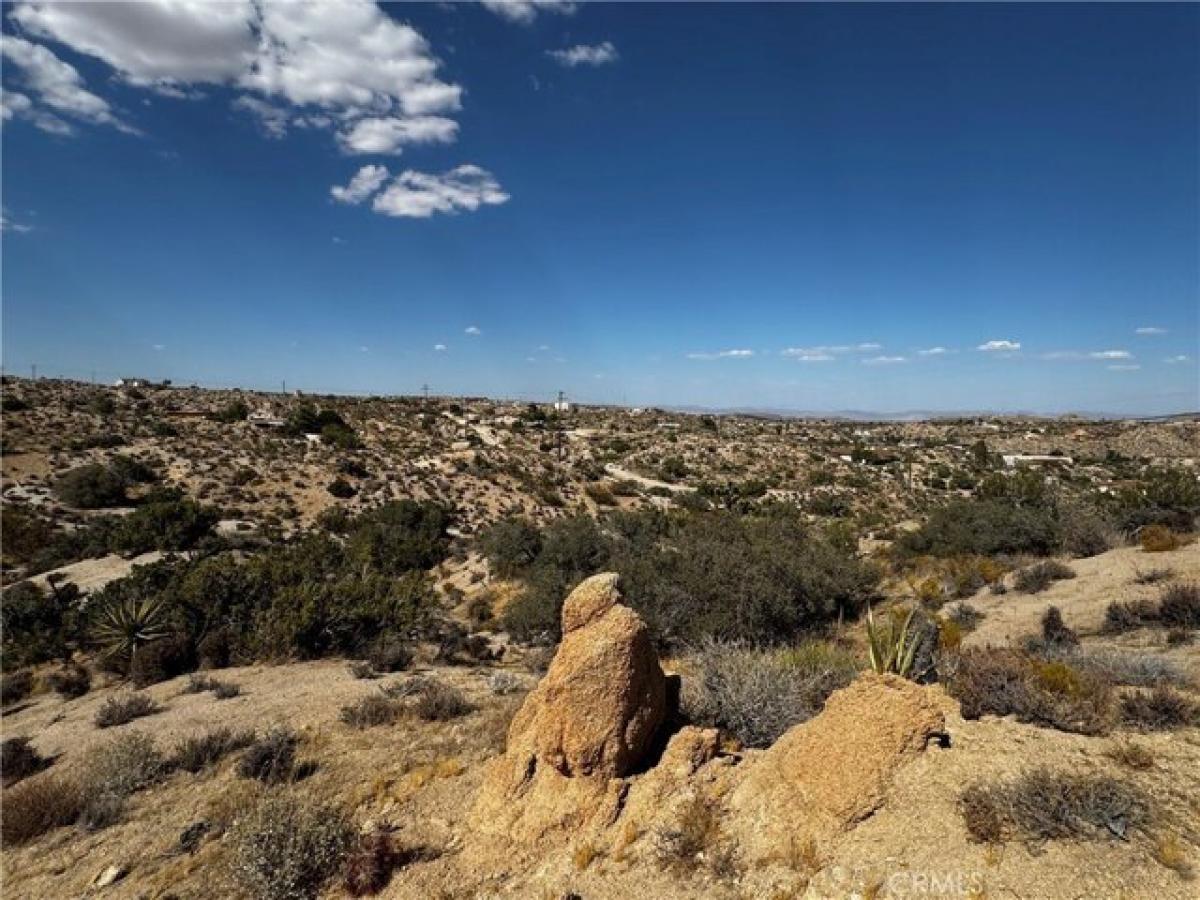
283,386
33,372
425,391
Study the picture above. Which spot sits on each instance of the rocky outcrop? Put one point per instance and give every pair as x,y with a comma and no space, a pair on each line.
826,774
590,721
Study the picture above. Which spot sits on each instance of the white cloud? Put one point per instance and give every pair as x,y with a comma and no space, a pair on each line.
525,11
473,329
440,348
1124,368
390,135
585,55
883,360
933,351
273,119
867,347
999,346
419,194
8,225
1175,360
56,84
1093,354
723,354
366,181
1150,330
1110,354
810,354
328,64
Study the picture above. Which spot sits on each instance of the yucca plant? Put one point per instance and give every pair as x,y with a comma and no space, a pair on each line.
125,624
892,649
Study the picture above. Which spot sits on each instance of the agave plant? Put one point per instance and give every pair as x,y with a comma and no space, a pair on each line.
125,624
891,649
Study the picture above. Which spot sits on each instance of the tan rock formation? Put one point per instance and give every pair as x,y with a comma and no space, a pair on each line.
826,774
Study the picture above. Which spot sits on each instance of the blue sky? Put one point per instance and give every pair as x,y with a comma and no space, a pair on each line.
809,207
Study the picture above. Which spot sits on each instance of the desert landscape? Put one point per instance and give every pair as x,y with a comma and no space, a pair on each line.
287,646
564,450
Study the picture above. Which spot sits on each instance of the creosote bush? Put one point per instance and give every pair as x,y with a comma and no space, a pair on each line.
1179,605
287,848
38,805
1046,805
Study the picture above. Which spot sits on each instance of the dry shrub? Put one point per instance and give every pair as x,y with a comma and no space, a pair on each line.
1055,630
120,710
1153,576
1159,539
1131,755
1119,617
362,670
19,759
193,754
1161,709
124,765
370,711
390,654
1171,852
696,837
370,865
1046,805
287,848
70,681
272,758
38,805
758,694
1179,605
440,702
1052,694
1118,666
15,686
1037,578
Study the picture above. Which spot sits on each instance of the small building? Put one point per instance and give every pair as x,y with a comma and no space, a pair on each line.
132,382
562,406
1012,460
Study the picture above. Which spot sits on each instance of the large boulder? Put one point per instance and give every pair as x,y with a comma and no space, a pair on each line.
826,774
593,719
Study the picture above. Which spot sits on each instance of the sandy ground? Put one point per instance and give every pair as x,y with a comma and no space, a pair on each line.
93,574
1083,599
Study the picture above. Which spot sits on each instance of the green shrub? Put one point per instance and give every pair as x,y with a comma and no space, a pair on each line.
342,489
91,487
287,848
983,528
161,660
38,627
168,523
233,411
764,577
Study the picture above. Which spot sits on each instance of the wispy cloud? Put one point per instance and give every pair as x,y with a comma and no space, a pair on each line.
1110,354
525,11
883,360
722,354
473,330
933,351
1092,354
1176,360
1149,330
440,348
1129,367
999,346
602,54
